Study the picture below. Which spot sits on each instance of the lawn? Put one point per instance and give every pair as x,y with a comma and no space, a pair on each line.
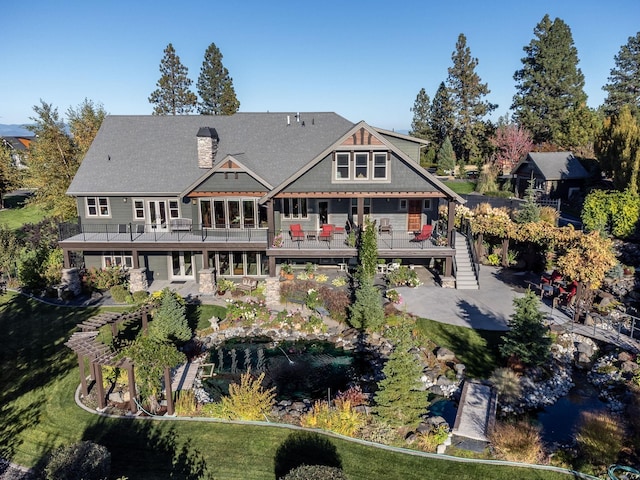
17,212
461,187
37,413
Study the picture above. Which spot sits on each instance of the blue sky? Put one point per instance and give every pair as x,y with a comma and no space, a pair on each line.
362,60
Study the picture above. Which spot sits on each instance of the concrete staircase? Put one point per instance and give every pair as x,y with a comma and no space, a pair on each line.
465,277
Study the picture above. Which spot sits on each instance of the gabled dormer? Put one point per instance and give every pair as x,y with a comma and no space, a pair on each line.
361,157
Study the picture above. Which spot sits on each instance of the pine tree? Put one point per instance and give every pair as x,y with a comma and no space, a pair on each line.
530,211
446,157
623,87
550,87
53,162
170,321
173,96
368,251
467,93
421,125
366,313
215,86
528,338
399,400
441,115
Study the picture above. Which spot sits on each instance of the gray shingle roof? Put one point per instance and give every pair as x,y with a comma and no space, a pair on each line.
558,165
157,155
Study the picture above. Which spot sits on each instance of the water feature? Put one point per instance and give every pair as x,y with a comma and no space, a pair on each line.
298,370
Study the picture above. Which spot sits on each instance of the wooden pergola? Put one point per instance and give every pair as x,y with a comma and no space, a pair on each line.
89,349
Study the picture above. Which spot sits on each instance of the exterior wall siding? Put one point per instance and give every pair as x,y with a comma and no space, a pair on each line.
227,182
412,149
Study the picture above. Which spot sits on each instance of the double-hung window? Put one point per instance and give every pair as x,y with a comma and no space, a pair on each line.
379,166
138,209
362,165
342,166
98,207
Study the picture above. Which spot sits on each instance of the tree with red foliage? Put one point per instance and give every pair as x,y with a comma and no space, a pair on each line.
512,143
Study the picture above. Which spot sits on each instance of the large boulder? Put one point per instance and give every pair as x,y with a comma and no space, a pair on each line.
445,355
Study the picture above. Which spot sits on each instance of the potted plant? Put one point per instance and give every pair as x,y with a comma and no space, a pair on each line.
286,271
310,268
278,240
224,285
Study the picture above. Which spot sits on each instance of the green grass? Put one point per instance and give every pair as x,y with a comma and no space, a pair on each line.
477,349
461,187
17,212
37,413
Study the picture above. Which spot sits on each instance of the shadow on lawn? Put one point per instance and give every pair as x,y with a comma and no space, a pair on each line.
305,448
145,449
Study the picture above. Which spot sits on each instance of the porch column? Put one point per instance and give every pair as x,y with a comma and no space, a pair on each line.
448,266
168,392
361,211
136,260
271,221
451,219
66,258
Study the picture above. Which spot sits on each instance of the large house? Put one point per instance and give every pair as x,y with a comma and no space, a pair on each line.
178,197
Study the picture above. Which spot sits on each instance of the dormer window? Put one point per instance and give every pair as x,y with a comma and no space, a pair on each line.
342,166
380,166
362,166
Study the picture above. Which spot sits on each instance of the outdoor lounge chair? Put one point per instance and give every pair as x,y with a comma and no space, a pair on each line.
326,233
385,225
424,234
297,234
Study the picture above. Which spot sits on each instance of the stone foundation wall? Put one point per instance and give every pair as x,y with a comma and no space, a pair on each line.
272,292
71,280
207,282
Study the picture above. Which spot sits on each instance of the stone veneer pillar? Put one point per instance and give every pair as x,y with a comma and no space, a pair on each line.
138,280
207,282
71,279
272,292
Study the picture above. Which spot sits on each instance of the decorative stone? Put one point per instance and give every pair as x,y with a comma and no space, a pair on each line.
444,381
138,280
585,348
71,280
441,449
272,291
624,357
629,366
445,355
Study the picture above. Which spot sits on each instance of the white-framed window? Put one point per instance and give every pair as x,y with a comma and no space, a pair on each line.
138,209
294,207
354,207
342,166
380,166
361,160
402,204
98,207
174,209
117,260
426,204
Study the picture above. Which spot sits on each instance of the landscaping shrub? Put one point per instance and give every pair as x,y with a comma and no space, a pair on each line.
336,302
186,403
599,438
367,312
84,460
342,419
315,472
507,383
140,296
429,441
120,294
248,400
517,442
170,320
103,278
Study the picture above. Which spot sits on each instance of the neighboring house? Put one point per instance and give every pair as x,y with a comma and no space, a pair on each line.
178,195
19,147
556,174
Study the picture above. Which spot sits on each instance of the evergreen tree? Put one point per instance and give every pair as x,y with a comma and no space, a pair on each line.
530,211
421,125
441,116
366,313
624,83
9,173
173,96
215,86
446,157
467,93
617,148
53,162
550,87
399,400
170,321
528,338
368,251
84,123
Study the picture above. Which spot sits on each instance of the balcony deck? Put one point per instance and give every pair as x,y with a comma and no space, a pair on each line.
128,237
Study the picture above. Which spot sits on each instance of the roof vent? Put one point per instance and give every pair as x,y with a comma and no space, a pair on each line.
207,146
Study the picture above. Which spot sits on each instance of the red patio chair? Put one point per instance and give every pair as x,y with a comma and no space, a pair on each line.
296,232
326,233
425,234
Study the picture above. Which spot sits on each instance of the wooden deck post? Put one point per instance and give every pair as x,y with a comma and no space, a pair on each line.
132,388
168,392
451,219
101,395
83,376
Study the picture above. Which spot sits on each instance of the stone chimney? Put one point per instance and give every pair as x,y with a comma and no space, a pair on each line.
207,146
